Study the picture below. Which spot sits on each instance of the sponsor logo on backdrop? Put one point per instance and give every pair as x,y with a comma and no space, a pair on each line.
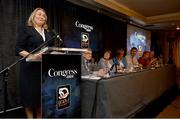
63,97
84,40
86,27
62,73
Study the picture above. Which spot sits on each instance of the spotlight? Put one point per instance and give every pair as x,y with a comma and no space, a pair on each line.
177,28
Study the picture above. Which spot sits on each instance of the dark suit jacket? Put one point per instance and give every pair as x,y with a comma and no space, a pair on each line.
28,39
87,67
30,72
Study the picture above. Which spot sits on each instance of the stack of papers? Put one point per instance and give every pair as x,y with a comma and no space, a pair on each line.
91,77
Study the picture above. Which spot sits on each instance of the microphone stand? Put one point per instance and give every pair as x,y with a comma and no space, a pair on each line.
5,71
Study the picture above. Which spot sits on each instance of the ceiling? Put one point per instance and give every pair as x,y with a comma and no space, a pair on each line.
149,8
150,14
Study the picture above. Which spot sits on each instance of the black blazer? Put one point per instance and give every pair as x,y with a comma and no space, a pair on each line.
30,72
28,39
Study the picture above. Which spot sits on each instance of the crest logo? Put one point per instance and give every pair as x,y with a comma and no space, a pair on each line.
63,97
84,40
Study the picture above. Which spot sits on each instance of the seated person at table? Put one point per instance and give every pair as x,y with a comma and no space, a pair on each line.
87,66
144,60
131,58
105,61
118,61
152,58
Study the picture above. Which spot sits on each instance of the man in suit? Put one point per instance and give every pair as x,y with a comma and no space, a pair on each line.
87,66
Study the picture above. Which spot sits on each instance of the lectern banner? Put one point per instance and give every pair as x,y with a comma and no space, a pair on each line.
61,76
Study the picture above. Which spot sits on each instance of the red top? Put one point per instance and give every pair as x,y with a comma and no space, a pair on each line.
143,61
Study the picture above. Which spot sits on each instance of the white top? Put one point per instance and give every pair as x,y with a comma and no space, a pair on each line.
131,61
41,33
121,63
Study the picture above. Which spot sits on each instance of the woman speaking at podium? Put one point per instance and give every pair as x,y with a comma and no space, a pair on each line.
29,38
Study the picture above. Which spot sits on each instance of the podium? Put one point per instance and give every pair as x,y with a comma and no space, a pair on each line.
60,87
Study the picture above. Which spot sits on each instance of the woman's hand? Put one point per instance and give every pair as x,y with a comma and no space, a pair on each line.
153,61
37,56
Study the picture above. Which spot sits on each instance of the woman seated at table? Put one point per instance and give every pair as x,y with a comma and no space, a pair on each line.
152,58
144,60
118,62
105,61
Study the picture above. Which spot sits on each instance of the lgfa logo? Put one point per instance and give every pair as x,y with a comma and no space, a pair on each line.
63,93
63,97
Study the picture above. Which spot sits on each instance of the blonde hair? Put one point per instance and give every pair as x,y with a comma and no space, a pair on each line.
31,22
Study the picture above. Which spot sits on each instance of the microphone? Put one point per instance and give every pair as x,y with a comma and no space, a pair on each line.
115,63
112,67
57,36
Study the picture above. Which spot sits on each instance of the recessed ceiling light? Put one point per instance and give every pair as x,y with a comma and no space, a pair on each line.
178,28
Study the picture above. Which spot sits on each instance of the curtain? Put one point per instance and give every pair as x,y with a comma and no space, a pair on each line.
108,33
14,14
177,52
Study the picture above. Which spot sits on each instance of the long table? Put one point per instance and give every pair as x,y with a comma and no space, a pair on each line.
124,95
